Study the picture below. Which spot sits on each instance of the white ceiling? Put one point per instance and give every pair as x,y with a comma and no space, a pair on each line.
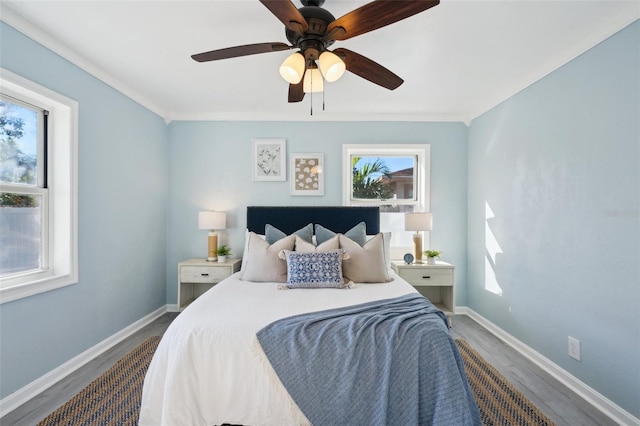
458,59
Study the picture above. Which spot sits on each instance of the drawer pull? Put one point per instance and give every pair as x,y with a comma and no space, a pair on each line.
205,275
426,277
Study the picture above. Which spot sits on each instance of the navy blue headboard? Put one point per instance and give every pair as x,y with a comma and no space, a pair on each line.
290,219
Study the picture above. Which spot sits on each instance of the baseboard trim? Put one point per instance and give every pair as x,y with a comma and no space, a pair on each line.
599,401
30,391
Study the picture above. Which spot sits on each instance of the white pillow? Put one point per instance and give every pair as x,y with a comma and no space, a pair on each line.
260,260
366,264
303,246
387,247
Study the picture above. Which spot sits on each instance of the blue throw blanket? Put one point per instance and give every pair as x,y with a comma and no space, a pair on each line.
388,362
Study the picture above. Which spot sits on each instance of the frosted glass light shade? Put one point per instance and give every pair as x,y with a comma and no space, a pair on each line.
292,69
313,81
331,65
418,221
212,220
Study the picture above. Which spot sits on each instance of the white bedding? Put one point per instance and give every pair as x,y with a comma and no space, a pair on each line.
209,368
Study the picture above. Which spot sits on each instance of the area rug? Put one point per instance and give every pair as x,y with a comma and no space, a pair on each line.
114,398
499,402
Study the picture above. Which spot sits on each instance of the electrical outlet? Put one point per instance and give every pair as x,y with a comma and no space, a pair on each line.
574,348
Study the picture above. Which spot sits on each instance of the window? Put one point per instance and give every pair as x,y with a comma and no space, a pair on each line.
23,199
38,167
394,177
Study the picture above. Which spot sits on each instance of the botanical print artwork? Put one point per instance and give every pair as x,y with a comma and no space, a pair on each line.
268,160
306,174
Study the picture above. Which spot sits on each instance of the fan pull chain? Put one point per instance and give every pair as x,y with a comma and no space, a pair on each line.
311,95
323,99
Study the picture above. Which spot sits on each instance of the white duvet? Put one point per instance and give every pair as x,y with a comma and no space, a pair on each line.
209,368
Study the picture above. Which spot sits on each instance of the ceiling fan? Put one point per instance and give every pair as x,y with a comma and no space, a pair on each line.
313,29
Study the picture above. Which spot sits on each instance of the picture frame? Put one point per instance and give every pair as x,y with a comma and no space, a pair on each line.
307,173
269,160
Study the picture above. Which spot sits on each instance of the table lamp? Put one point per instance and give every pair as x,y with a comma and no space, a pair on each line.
418,222
212,221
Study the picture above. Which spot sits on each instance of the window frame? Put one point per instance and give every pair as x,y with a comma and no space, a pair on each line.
60,219
39,188
422,172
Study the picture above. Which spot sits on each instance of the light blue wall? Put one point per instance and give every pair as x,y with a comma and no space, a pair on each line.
558,164
210,168
122,223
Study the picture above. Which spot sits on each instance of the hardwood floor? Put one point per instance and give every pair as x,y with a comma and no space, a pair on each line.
555,400
48,401
559,403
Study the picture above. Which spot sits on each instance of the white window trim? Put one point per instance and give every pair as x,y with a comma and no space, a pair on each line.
423,151
63,191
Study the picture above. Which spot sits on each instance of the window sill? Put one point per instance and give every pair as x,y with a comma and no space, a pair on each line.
39,284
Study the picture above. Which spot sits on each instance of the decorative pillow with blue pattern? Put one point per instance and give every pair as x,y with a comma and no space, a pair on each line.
314,269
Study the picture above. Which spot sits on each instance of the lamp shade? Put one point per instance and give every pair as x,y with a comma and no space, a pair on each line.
292,69
331,65
212,220
313,81
418,221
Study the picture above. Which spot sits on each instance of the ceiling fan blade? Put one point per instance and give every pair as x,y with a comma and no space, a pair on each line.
368,69
288,14
377,14
234,52
296,92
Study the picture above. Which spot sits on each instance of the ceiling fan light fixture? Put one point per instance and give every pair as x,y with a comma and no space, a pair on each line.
332,66
292,69
313,81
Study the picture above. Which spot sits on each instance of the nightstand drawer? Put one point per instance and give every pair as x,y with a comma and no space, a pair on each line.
203,274
428,276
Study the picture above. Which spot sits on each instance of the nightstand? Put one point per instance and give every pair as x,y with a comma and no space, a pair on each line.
435,282
195,276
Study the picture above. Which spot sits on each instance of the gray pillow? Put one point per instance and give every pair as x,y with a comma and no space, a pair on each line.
273,234
358,234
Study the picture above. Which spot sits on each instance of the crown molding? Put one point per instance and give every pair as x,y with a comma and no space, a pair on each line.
19,23
606,30
317,116
555,62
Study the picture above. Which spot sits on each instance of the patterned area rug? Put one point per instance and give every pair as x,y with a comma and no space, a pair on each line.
499,402
114,397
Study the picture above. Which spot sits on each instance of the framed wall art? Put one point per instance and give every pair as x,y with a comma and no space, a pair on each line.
269,160
307,174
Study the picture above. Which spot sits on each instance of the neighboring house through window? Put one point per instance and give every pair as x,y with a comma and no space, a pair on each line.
38,189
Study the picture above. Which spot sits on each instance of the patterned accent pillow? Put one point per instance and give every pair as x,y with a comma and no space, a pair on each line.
314,269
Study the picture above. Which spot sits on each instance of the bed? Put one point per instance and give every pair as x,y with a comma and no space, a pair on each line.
259,352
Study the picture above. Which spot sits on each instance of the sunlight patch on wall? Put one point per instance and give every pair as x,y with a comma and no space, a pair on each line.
492,249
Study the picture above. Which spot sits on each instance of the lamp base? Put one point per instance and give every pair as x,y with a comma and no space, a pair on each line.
213,247
417,247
